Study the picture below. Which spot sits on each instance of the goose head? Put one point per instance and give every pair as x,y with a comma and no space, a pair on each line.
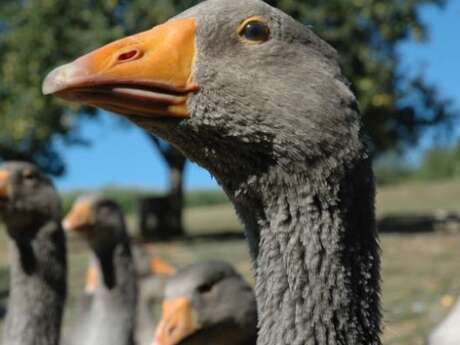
99,220
207,302
101,223
238,86
27,196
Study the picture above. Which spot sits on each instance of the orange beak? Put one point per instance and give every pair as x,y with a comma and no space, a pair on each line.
91,279
148,74
158,266
79,217
4,179
177,323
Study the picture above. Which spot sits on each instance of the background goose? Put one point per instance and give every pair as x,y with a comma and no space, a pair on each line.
151,294
208,303
111,317
152,274
31,211
147,265
259,100
448,331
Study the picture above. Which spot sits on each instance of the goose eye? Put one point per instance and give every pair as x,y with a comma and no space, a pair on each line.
204,288
255,31
29,175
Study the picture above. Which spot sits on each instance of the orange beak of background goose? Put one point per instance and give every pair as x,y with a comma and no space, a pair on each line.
4,180
147,74
178,321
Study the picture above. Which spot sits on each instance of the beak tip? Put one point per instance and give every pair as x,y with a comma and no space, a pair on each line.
66,225
46,88
50,84
61,78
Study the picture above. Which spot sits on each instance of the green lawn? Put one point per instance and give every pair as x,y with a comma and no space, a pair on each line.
419,271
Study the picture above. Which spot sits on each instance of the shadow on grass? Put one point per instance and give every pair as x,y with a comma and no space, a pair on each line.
419,223
406,224
221,236
202,236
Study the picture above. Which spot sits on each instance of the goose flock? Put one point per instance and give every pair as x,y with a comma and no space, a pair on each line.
116,306
259,100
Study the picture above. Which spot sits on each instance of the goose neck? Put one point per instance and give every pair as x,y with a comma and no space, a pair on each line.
316,257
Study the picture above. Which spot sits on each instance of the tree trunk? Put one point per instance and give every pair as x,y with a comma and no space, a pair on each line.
176,196
161,218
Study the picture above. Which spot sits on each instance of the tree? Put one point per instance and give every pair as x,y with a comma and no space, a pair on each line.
176,162
35,36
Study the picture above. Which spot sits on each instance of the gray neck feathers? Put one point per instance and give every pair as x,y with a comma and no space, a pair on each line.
317,260
115,304
37,287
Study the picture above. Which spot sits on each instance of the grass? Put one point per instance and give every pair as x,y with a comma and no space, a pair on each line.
419,271
418,197
128,197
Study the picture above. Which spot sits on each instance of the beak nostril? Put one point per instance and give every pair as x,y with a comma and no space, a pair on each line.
171,330
129,55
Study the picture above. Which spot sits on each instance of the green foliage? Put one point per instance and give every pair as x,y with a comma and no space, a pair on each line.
391,169
437,164
440,163
36,35
203,198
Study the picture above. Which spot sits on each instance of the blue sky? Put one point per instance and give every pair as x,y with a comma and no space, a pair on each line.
122,155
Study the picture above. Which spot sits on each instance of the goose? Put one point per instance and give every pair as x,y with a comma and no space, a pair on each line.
111,317
448,331
259,100
152,274
31,210
208,303
148,265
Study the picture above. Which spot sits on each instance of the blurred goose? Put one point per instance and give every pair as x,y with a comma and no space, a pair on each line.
152,274
31,210
151,294
208,303
448,331
148,265
260,101
112,315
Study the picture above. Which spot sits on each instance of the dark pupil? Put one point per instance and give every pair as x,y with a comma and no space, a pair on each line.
255,31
